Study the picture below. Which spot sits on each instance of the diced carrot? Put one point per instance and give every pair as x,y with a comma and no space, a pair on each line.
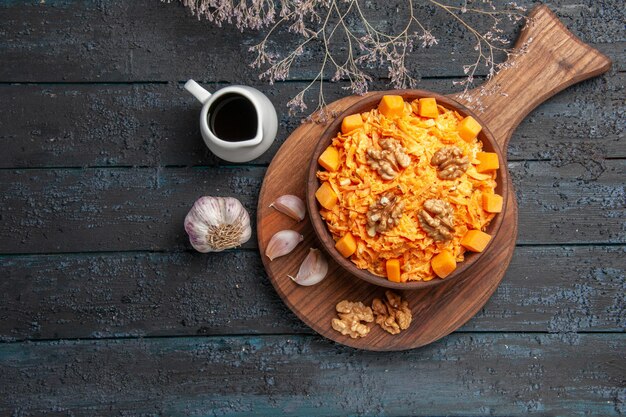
350,123
393,270
475,240
443,264
329,159
428,107
469,128
391,106
326,196
492,203
488,161
346,245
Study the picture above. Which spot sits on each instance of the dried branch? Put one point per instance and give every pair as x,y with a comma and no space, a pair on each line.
351,48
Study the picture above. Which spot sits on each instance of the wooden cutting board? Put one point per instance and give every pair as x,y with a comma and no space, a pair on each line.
554,60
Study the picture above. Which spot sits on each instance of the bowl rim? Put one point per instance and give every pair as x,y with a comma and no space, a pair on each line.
369,102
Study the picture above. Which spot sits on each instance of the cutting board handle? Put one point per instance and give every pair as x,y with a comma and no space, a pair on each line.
554,59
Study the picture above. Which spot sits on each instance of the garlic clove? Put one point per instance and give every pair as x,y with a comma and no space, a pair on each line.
217,223
312,270
282,243
290,205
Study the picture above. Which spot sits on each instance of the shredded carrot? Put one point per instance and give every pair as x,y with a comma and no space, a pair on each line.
358,186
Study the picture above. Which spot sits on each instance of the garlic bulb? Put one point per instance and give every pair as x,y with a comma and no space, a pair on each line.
313,269
290,205
282,243
217,223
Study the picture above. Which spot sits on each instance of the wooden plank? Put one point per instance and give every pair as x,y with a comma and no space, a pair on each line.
156,124
112,209
113,125
577,289
463,374
153,41
559,289
140,294
587,116
74,210
554,60
553,201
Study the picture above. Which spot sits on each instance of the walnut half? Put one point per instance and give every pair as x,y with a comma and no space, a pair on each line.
351,314
392,314
385,214
388,161
437,219
450,162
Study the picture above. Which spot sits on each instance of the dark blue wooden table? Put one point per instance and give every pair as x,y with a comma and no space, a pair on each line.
106,310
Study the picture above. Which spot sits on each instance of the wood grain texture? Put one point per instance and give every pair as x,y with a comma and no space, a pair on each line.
572,200
147,40
128,209
156,124
483,374
437,310
576,289
553,59
90,61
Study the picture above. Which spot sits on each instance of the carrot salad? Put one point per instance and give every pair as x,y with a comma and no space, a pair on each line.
359,186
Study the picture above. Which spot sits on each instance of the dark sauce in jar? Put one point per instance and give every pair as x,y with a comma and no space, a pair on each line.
233,118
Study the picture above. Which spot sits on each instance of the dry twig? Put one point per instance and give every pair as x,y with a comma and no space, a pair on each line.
351,43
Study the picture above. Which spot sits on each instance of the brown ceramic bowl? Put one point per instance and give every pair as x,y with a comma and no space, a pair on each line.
367,103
